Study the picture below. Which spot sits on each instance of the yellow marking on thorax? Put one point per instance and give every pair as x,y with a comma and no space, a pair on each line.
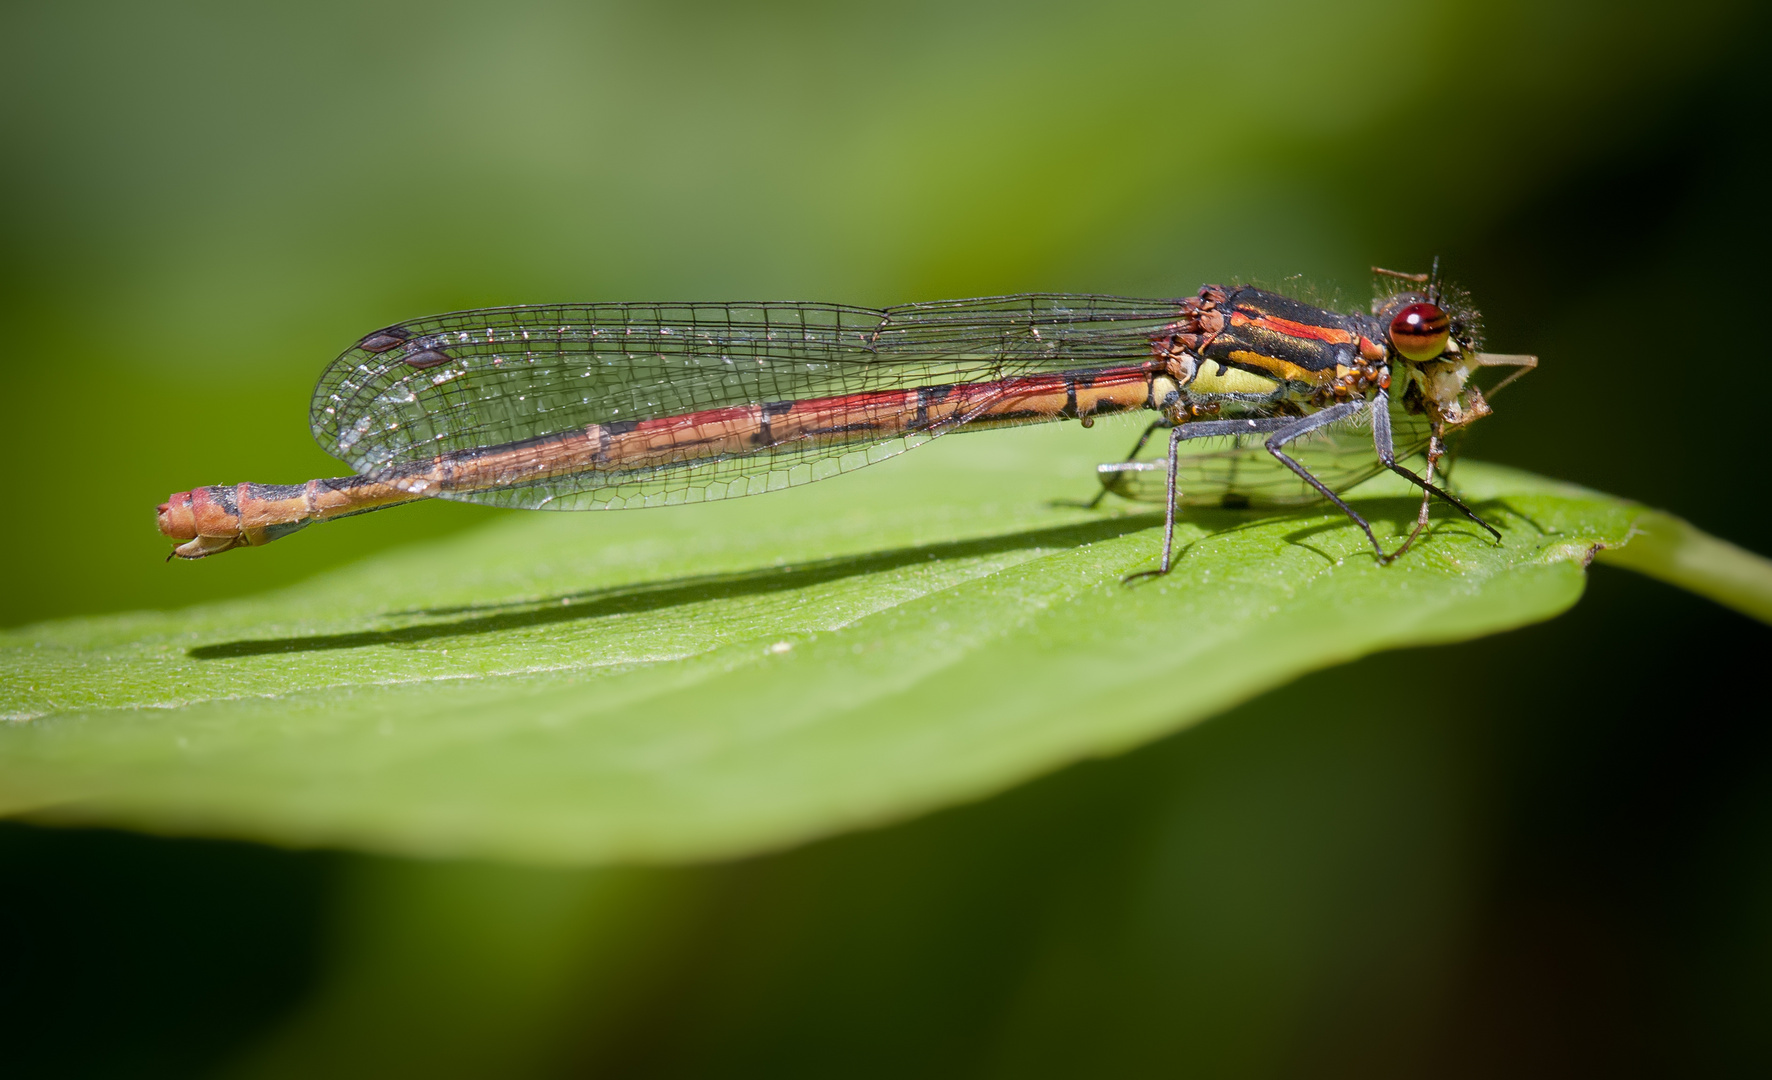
1284,369
1215,378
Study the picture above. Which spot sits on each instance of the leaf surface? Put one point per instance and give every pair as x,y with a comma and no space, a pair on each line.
708,681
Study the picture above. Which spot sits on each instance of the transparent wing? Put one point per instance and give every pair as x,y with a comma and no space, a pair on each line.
526,384
1238,472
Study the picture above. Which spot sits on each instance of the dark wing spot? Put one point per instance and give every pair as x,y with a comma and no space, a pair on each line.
427,358
383,340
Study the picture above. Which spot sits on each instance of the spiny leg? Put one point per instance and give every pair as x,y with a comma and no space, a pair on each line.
1136,447
1208,429
1174,464
1520,362
1175,437
1381,441
1435,448
1304,426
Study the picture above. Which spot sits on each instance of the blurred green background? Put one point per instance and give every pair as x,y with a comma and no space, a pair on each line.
1540,853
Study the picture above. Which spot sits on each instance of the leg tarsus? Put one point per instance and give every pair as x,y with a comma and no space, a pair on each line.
1305,426
1434,449
1381,442
1429,489
1136,447
1175,438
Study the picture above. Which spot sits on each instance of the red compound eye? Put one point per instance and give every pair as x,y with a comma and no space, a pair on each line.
1420,332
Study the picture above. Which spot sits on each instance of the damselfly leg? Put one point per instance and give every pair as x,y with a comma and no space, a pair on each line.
1435,450
1281,432
1298,429
1137,448
1520,362
1208,429
1381,442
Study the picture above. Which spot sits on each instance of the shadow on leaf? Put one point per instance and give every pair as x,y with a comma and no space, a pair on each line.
673,592
701,588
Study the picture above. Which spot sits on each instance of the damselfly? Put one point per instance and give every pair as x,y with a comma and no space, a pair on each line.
608,406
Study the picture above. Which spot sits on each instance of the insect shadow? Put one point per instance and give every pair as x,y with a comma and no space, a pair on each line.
1400,512
468,620
674,592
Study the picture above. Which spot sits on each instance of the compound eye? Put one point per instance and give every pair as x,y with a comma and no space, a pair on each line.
1420,332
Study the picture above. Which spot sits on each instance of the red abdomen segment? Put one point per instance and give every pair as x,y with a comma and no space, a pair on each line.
215,519
224,517
760,430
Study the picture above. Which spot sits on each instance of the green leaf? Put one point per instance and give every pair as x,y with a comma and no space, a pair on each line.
1663,547
708,681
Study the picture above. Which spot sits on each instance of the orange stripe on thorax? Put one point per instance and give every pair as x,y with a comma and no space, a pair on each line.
1295,329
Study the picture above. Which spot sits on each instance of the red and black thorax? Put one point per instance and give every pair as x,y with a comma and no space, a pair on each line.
1323,353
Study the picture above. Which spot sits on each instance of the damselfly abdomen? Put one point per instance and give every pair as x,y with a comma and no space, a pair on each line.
609,406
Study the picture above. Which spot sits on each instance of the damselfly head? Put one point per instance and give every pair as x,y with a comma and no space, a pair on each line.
1423,331
1432,334
1413,332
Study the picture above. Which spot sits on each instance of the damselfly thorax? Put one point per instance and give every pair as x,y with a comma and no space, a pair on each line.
609,406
